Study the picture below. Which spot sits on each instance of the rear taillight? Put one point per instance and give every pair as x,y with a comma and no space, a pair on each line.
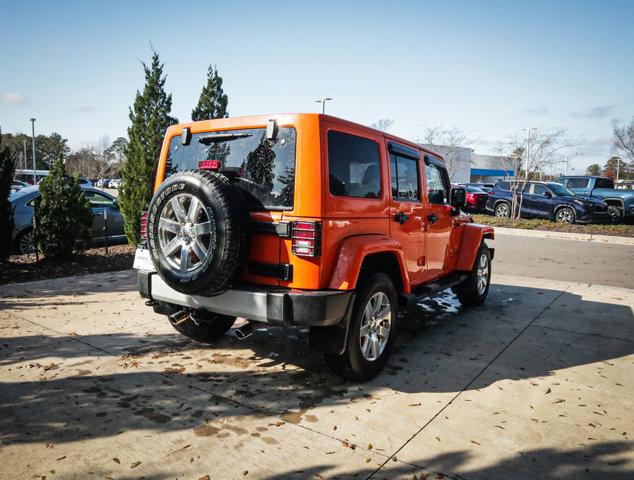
470,197
306,238
144,225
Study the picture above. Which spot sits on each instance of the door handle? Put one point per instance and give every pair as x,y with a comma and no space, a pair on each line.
401,217
432,218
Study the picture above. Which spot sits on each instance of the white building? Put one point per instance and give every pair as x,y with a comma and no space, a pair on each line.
458,161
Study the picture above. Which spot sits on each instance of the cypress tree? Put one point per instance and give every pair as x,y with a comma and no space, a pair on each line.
62,214
7,170
213,100
149,117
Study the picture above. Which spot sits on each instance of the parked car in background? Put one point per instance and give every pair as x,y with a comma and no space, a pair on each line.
27,175
476,199
23,201
84,182
17,185
114,183
547,200
485,187
620,202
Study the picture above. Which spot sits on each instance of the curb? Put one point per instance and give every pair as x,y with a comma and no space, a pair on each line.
583,237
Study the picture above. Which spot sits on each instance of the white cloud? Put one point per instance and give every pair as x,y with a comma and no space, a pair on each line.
13,98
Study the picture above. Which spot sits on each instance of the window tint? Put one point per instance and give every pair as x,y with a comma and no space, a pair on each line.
404,174
603,183
98,200
437,187
353,165
263,170
577,182
539,189
503,186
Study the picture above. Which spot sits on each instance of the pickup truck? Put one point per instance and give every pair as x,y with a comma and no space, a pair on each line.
620,202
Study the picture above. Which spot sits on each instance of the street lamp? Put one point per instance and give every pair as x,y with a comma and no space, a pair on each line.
528,146
33,145
323,103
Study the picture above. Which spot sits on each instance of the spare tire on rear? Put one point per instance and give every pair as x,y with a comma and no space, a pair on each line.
197,232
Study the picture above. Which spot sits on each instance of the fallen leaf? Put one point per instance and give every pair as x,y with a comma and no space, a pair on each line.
135,464
116,460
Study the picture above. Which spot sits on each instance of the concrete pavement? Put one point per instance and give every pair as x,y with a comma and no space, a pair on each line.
567,260
536,384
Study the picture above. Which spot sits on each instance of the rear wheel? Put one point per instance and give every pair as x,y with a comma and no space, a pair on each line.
371,331
502,210
205,327
25,242
474,290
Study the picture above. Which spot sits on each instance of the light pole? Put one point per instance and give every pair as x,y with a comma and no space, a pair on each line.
528,146
33,145
323,101
618,167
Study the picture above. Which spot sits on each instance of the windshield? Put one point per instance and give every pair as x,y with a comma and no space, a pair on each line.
560,190
262,169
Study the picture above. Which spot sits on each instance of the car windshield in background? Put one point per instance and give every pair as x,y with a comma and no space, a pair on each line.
560,190
263,169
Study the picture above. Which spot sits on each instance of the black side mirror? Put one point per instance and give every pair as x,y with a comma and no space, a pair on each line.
548,195
458,197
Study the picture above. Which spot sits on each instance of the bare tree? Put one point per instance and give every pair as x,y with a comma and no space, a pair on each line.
624,139
447,141
97,160
543,152
383,124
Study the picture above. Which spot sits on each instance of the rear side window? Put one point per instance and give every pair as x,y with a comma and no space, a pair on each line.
503,186
404,172
604,183
577,182
354,166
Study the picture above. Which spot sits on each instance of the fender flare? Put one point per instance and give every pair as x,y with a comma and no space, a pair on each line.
472,237
352,252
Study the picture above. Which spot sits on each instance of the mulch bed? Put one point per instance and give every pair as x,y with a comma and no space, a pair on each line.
620,230
24,268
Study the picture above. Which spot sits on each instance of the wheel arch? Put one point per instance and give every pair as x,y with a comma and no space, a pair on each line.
472,236
363,254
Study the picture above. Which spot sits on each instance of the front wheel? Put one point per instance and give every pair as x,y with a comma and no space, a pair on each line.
474,289
565,215
25,242
371,331
205,327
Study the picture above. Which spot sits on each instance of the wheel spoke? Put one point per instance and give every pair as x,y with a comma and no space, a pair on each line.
384,313
365,347
171,247
179,211
203,228
199,250
169,225
184,258
193,210
364,330
384,331
374,347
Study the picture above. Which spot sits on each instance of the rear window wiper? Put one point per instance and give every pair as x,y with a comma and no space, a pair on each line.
222,137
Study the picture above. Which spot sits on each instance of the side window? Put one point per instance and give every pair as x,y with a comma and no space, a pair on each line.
437,184
603,183
98,200
539,189
503,186
405,179
578,182
354,166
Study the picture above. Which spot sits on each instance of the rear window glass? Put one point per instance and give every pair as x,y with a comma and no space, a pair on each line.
503,186
604,183
405,182
354,168
577,182
262,169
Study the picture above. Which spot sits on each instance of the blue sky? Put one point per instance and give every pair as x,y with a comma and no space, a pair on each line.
489,68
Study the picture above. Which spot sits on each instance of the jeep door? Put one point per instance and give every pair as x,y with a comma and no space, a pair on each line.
439,221
407,210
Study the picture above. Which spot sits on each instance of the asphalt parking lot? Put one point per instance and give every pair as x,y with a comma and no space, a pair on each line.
536,384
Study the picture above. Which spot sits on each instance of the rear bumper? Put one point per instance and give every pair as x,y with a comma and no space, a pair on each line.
271,305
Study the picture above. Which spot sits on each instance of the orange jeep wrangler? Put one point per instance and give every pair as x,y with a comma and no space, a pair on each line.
305,220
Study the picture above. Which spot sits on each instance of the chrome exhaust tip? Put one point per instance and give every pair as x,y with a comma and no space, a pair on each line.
179,317
244,331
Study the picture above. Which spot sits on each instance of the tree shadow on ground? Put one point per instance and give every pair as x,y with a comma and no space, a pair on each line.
601,461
